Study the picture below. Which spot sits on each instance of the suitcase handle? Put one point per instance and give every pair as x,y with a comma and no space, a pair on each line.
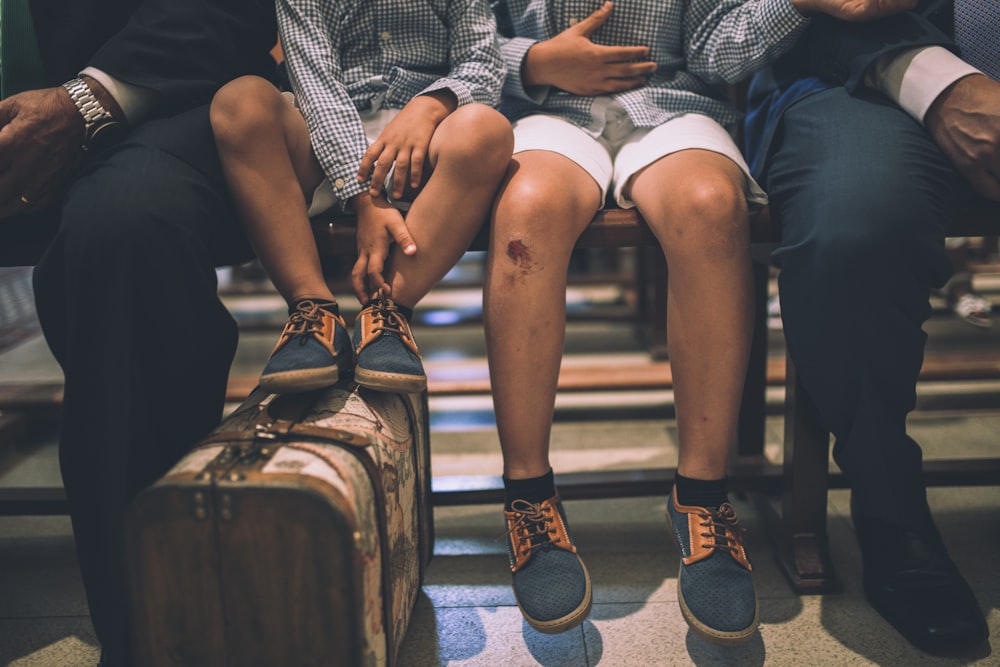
285,430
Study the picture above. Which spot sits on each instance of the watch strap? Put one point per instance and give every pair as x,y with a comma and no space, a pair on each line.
86,102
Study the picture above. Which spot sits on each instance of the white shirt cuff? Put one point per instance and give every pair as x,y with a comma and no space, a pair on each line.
135,101
915,78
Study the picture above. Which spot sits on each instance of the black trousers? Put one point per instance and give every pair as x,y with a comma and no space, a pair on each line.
127,298
864,197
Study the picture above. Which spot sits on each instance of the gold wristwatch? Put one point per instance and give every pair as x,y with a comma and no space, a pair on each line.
100,127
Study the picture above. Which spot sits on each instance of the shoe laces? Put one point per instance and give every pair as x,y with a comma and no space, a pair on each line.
307,318
387,318
719,522
533,526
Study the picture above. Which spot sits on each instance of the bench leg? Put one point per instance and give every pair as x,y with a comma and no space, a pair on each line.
651,294
799,533
753,407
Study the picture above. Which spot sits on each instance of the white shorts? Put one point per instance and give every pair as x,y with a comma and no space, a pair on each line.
324,197
623,150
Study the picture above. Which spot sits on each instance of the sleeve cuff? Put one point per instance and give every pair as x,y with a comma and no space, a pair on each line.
135,101
915,78
461,91
514,52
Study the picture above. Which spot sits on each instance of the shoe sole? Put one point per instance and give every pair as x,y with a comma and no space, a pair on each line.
570,620
391,382
707,632
978,322
302,380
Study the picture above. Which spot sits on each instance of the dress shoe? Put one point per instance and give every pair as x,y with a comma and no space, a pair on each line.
911,581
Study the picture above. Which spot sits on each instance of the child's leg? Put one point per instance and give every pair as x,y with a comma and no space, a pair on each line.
543,206
269,165
264,148
468,156
694,203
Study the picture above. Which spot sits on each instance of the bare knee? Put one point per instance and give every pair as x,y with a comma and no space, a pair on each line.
706,217
535,226
244,107
481,137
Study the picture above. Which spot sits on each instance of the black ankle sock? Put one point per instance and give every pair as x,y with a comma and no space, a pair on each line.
328,306
701,492
534,490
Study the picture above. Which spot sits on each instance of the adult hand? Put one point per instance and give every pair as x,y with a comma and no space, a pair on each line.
41,134
405,142
571,62
379,226
965,122
854,10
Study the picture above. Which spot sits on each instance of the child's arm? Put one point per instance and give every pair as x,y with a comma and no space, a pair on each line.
570,61
476,69
727,41
404,143
476,73
312,51
379,226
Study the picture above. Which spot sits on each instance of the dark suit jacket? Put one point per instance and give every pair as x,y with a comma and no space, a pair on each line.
183,49
830,53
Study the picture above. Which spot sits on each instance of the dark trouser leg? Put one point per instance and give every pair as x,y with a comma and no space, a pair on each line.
864,197
126,295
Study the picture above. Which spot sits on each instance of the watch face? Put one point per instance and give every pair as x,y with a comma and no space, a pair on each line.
105,133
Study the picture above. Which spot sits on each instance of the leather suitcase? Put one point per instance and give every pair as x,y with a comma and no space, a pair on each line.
295,535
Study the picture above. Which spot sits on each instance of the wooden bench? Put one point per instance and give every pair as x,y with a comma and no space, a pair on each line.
796,522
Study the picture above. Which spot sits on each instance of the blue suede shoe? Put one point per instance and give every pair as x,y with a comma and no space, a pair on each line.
551,582
387,357
313,350
714,587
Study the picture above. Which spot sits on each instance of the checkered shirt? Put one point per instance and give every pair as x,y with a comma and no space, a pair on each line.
698,45
348,56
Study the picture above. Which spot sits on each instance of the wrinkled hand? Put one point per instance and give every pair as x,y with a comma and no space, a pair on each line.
571,62
405,142
854,10
40,137
965,122
379,226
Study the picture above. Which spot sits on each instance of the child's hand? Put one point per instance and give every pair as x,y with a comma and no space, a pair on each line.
379,226
571,62
405,142
854,10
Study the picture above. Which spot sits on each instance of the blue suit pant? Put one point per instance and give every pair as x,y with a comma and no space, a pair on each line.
864,197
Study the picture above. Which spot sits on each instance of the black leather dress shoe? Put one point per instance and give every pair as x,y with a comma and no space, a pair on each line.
910,580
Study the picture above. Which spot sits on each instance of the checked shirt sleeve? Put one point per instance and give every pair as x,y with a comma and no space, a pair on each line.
514,50
727,41
476,70
311,46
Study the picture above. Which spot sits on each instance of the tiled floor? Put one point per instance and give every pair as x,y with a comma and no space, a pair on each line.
466,614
